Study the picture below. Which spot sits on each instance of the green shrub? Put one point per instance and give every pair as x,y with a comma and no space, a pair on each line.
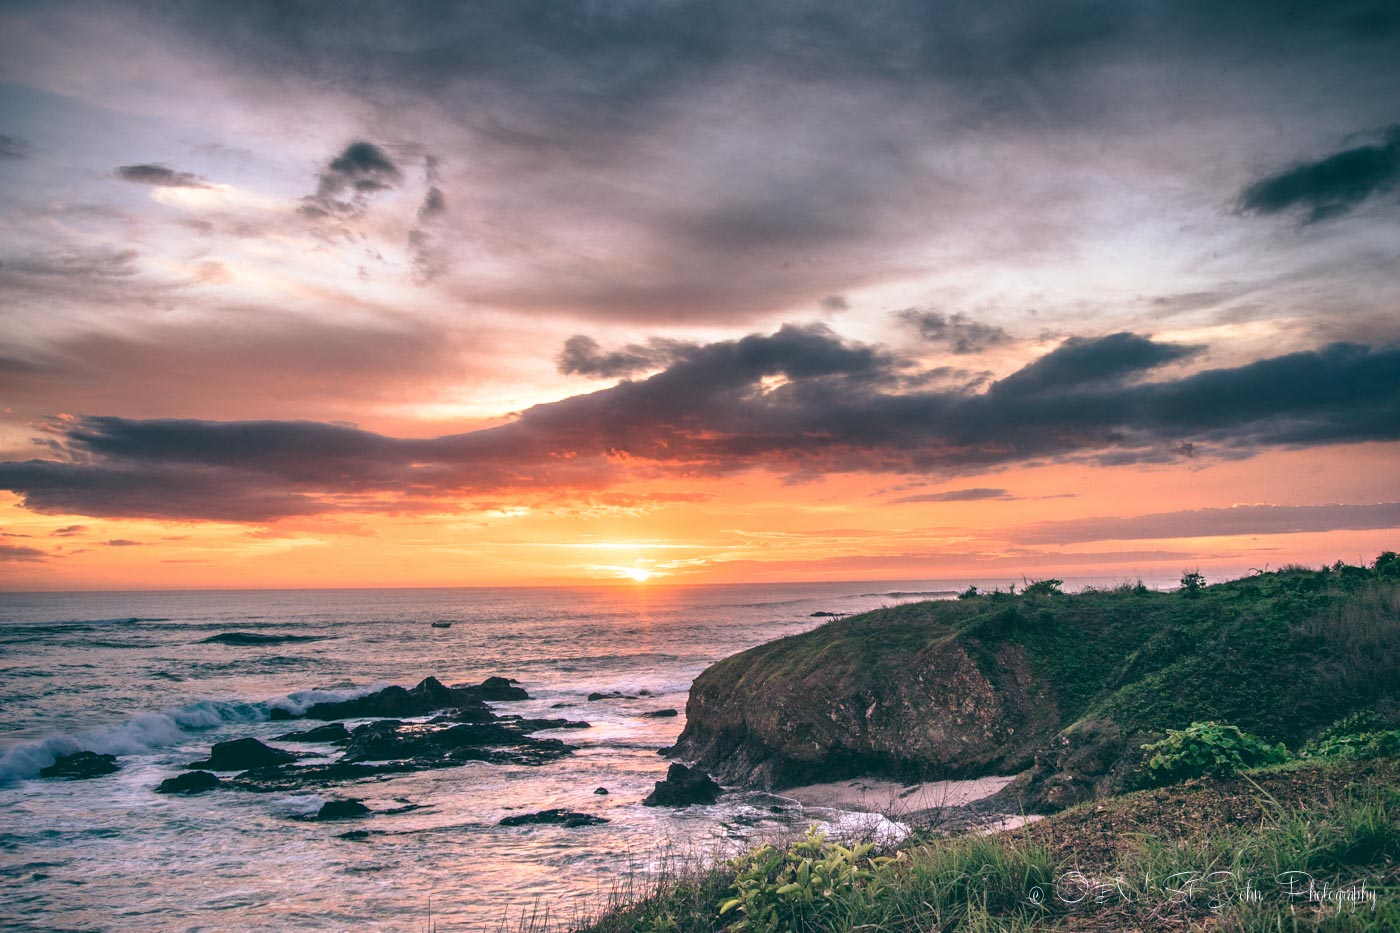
784,888
1049,587
1192,583
1358,736
1203,748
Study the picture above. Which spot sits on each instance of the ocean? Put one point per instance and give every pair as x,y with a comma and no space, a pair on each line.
132,674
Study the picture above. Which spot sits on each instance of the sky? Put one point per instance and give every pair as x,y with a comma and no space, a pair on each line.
538,292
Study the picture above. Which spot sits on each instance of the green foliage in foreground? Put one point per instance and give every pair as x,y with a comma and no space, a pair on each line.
780,889
1208,748
1357,737
1250,877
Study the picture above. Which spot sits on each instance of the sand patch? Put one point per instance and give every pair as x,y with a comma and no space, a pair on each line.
893,798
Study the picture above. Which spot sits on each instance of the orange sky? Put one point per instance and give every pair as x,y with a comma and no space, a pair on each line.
673,296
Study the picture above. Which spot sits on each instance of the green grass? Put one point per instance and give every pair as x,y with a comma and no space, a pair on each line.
1062,874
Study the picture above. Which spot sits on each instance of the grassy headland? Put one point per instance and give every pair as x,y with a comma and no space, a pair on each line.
1067,689
1064,687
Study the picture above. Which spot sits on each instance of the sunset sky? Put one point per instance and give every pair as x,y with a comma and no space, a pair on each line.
543,292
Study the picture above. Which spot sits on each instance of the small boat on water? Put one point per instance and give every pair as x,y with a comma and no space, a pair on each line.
442,625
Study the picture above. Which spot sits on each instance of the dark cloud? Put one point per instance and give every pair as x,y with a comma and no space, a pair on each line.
123,542
955,331
755,157
976,494
345,185
1329,187
12,147
16,553
801,401
68,530
160,176
582,356
434,204
1236,520
835,303
1082,361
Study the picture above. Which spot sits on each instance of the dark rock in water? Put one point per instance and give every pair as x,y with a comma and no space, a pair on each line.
601,790
827,615
342,810
428,697
253,638
80,766
499,688
278,714
354,835
331,734
683,786
243,755
569,819
390,739
467,714
539,725
613,696
191,782
661,714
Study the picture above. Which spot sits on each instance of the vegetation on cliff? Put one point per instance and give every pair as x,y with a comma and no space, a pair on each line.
1065,688
1309,845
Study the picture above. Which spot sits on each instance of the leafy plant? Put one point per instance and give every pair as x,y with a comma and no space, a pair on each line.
972,592
1358,736
1050,587
1203,748
777,889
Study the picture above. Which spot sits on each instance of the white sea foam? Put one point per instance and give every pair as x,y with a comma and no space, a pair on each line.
145,732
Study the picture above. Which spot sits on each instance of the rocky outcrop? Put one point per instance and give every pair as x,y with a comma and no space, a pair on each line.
80,766
331,734
840,702
1089,760
683,786
191,782
569,819
341,810
242,755
430,696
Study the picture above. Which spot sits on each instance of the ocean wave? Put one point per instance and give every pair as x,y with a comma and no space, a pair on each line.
145,732
254,638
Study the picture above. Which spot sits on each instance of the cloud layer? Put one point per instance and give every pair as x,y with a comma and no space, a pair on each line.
802,402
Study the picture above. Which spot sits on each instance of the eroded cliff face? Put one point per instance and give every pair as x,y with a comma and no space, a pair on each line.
821,706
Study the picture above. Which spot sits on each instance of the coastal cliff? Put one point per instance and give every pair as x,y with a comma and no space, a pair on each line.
1062,688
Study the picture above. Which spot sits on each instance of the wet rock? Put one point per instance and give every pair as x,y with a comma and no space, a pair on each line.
80,766
683,786
243,755
278,714
498,689
354,835
601,791
342,810
191,782
331,734
613,696
429,696
569,819
661,714
538,725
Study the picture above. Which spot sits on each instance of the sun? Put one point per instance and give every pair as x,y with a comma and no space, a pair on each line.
638,575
